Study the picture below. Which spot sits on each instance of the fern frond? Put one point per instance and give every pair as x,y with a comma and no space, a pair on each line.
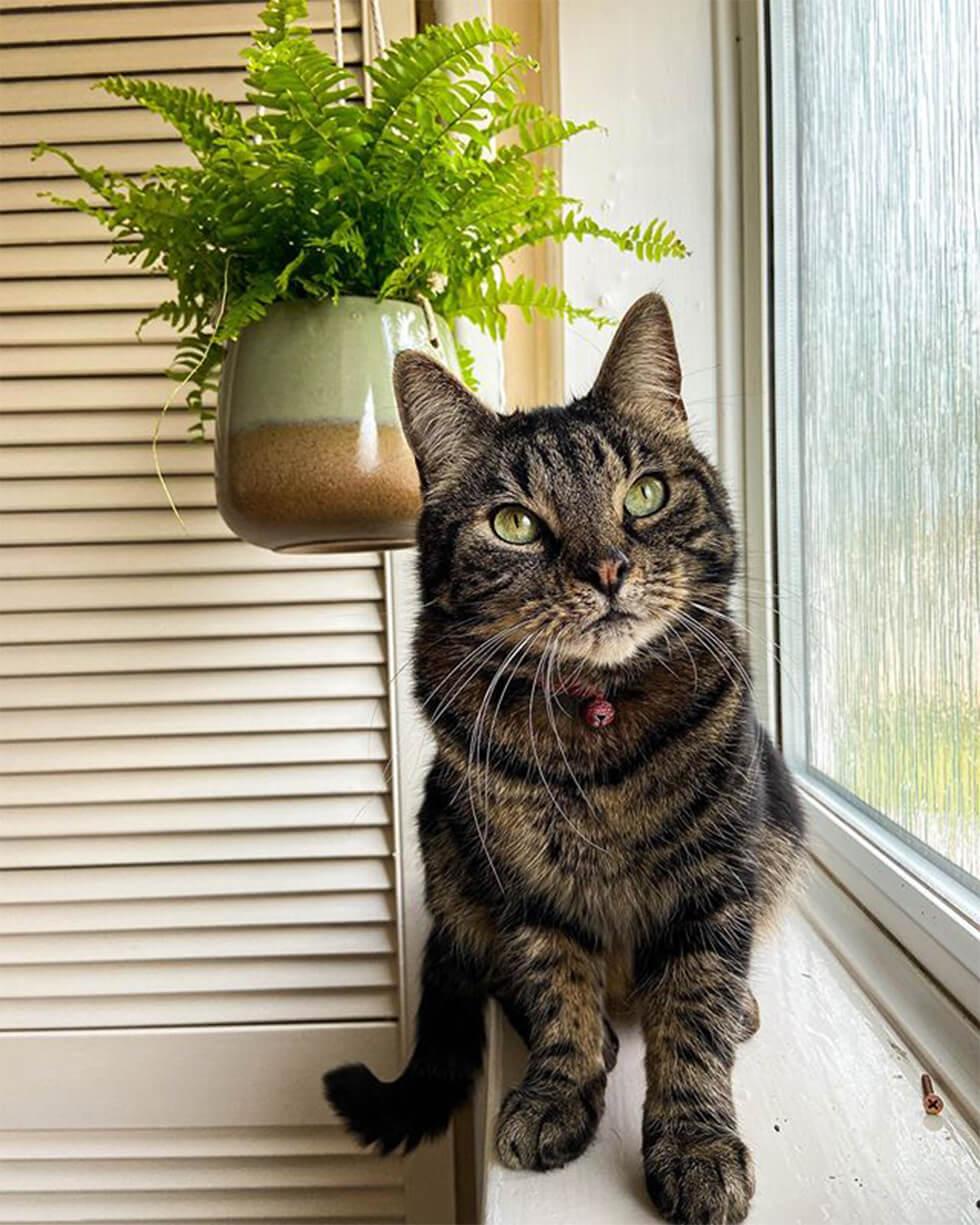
298,81
249,306
197,115
416,74
467,366
537,129
105,183
482,300
279,22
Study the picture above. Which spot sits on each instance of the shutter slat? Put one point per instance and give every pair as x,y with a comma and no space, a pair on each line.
66,394
52,430
243,1008
75,293
120,786
108,124
199,719
360,841
164,816
106,120
99,493
133,689
76,96
112,22
376,939
119,625
128,156
207,1173
63,99
136,459
190,590
173,752
81,327
262,1204
82,359
35,982
194,880
19,195
99,657
91,527
207,912
54,1144
55,225
183,558
146,57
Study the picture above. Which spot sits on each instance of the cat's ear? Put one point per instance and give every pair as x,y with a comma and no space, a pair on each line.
641,373
446,425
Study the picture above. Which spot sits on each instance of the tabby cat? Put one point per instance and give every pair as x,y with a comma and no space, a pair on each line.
603,806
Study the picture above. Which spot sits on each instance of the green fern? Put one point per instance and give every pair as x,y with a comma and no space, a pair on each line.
198,116
482,300
311,196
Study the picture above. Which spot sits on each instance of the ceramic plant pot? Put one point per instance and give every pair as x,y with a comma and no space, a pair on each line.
309,456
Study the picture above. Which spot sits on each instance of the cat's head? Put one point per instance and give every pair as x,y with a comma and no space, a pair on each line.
598,527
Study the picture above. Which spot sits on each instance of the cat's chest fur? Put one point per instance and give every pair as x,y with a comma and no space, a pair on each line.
598,821
586,854
606,828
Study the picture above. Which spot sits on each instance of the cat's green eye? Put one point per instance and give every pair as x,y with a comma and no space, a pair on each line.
645,496
515,525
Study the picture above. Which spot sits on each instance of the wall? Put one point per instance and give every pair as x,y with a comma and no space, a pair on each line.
644,71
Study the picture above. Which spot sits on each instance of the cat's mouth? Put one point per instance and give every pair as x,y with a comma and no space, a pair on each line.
614,636
608,639
612,616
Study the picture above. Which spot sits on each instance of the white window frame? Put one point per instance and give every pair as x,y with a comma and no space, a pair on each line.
933,916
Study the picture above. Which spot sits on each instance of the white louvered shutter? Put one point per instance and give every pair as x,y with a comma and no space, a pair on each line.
198,886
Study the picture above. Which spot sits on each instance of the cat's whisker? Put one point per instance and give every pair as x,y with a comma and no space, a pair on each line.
473,757
548,691
713,643
474,754
485,649
537,761
493,723
716,646
754,634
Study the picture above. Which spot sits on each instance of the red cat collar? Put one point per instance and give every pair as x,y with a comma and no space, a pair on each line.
595,709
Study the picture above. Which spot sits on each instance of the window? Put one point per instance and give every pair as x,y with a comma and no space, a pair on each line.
875,178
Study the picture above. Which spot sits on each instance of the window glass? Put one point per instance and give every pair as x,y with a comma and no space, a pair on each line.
887,142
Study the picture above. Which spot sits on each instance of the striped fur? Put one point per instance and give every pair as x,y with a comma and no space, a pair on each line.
565,864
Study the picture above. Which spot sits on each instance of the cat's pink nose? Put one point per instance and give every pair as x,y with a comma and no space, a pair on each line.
611,572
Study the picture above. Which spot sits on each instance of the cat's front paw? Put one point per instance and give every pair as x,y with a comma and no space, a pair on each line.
699,1180
544,1127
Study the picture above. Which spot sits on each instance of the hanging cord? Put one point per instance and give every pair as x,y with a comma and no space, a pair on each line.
378,27
176,392
338,34
380,43
430,320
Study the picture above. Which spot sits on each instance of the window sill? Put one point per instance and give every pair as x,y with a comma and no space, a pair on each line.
828,1098
933,917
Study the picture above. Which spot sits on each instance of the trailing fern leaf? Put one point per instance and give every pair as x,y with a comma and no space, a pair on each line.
310,195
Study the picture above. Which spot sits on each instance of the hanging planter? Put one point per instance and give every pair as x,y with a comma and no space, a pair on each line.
310,455
316,236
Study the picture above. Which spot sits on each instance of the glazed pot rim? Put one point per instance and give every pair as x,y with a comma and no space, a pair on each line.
353,297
